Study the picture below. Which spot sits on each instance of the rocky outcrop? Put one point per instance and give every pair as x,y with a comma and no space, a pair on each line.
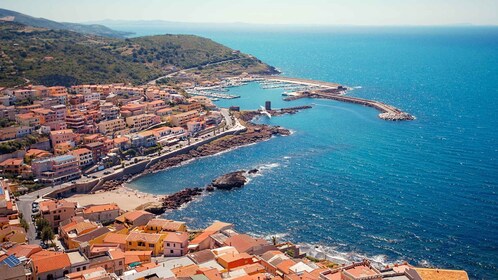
254,133
230,181
176,200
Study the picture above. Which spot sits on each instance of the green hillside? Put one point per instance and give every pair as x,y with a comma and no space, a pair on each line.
60,57
95,29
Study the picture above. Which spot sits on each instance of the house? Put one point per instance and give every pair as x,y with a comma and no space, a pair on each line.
230,261
115,239
12,166
137,257
360,270
141,122
56,170
55,211
63,136
113,261
163,225
28,119
135,218
203,241
98,150
14,234
176,244
83,155
140,241
247,244
78,261
102,213
50,265
182,118
97,273
73,228
111,126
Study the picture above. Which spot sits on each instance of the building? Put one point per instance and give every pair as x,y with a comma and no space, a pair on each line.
50,265
83,155
176,244
63,136
111,126
135,218
56,211
102,213
56,170
163,225
140,241
98,150
182,118
11,166
141,122
14,132
28,119
192,106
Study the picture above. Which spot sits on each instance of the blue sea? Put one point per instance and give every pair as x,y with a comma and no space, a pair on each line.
423,191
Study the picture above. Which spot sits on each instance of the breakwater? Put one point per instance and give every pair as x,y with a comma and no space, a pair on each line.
387,112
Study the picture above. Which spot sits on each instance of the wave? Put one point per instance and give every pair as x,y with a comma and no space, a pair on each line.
331,253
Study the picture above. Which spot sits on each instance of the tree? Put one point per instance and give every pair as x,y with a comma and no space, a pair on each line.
274,240
47,234
41,223
24,224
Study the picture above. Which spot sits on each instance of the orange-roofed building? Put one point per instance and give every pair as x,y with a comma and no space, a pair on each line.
176,244
185,271
140,241
203,241
258,276
354,271
115,238
97,273
14,234
163,225
137,256
211,273
24,250
135,218
50,265
440,274
77,227
102,213
12,166
36,153
55,211
230,261
248,244
283,267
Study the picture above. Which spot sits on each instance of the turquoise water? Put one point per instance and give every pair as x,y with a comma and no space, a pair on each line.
423,191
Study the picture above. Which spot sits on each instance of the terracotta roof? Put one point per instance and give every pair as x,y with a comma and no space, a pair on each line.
176,237
81,151
45,261
115,238
234,257
259,276
136,256
285,265
116,254
51,205
146,266
441,274
244,242
24,250
100,208
202,256
133,215
185,271
145,237
12,161
92,273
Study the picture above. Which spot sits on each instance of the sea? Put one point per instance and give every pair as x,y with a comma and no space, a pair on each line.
347,185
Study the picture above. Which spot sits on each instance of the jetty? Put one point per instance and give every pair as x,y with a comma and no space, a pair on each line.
334,91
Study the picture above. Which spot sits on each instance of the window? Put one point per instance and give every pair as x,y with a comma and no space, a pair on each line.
140,243
167,244
120,262
129,243
171,251
151,246
174,244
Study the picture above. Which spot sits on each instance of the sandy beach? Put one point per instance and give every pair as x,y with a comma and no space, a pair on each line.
127,199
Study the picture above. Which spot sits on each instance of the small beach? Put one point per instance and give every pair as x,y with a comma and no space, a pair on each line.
127,199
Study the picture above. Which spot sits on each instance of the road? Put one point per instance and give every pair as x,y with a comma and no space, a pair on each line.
153,82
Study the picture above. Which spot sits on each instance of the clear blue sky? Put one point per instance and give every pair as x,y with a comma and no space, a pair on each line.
335,12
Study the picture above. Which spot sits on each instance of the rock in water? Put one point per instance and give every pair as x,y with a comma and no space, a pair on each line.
230,181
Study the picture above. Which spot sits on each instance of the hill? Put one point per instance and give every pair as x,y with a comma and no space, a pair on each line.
61,57
95,29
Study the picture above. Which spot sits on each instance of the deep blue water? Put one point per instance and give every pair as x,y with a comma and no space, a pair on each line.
423,191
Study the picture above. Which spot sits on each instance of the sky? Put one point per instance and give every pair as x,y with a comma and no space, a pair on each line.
313,12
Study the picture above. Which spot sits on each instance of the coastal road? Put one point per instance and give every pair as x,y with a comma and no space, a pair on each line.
153,82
